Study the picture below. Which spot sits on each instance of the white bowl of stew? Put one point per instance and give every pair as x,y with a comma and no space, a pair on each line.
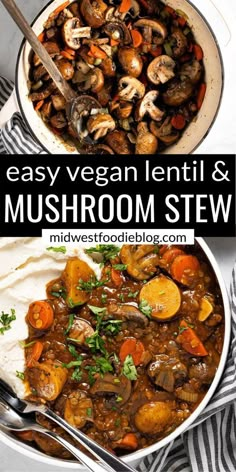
189,137
213,324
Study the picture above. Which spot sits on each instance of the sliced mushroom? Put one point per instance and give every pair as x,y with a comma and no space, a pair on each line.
192,71
93,12
59,120
130,61
178,92
108,384
100,124
123,109
82,66
146,105
94,80
181,43
102,149
36,96
108,67
118,30
80,330
130,88
82,107
127,312
141,261
72,32
51,47
165,371
46,110
104,95
118,141
156,27
146,142
58,102
76,409
161,69
39,73
66,68
164,131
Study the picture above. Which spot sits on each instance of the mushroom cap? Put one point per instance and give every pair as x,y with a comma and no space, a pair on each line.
118,141
100,124
130,60
133,88
178,92
181,43
156,26
120,28
146,105
81,107
146,143
93,12
72,31
192,71
161,69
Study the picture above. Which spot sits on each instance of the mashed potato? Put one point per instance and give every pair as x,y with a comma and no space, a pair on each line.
26,267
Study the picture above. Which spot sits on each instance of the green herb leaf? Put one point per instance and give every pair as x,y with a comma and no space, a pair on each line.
20,375
96,343
71,364
6,319
103,365
121,297
97,310
24,345
133,294
70,323
108,251
57,249
104,298
89,412
77,375
71,304
59,293
129,369
111,326
73,351
117,422
90,284
145,308
120,266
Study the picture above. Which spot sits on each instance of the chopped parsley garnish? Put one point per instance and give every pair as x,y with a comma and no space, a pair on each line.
77,373
183,328
89,412
145,308
90,284
71,364
57,249
133,294
24,345
120,266
97,310
73,351
117,422
104,298
108,251
70,323
112,326
103,365
71,304
61,292
96,343
5,320
121,297
129,369
20,375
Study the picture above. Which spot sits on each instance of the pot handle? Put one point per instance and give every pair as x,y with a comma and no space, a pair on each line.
216,20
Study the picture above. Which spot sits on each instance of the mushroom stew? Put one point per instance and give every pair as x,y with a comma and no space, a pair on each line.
136,67
126,357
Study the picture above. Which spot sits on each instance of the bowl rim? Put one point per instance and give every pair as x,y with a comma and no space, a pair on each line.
32,453
19,55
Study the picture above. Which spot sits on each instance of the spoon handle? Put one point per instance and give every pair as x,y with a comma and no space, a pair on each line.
38,48
83,458
107,458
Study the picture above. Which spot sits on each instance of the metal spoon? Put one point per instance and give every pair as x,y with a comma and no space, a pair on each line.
73,102
11,420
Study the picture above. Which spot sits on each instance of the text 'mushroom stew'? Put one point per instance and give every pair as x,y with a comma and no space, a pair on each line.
128,357
136,67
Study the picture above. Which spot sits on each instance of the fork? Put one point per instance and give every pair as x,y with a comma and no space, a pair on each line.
23,406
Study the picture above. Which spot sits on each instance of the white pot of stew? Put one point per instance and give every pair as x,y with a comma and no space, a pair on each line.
154,68
129,352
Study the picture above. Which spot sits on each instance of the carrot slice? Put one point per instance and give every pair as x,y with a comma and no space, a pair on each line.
70,51
116,277
171,254
181,21
67,55
182,266
157,51
136,38
41,37
60,8
95,51
114,42
178,121
39,105
198,52
163,296
129,441
170,10
35,353
190,341
125,6
40,315
201,95
133,348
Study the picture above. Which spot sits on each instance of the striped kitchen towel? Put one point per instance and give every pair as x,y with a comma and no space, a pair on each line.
14,136
210,444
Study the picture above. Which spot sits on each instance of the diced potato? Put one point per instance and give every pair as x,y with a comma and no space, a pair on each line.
206,309
76,270
163,295
48,379
153,417
78,409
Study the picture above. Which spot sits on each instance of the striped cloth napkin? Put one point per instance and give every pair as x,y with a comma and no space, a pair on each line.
210,444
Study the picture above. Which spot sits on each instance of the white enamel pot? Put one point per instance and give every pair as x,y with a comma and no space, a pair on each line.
134,458
196,131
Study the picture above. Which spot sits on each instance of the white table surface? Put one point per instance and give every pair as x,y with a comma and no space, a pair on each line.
224,249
